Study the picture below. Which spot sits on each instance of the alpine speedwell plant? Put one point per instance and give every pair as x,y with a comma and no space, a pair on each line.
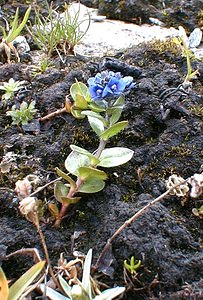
103,112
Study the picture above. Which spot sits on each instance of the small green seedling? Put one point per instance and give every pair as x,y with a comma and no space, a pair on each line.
132,267
22,115
43,66
6,44
10,88
186,52
198,212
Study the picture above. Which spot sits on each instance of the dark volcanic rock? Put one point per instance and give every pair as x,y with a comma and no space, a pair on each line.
171,13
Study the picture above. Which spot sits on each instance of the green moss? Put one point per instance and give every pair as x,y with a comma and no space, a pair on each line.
128,196
82,138
197,110
162,47
200,18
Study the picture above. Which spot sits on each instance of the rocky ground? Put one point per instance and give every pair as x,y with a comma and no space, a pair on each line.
168,237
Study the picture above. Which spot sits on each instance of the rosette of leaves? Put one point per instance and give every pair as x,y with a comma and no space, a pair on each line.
10,88
22,115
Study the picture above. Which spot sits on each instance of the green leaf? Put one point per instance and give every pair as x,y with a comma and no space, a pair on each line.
82,89
92,186
86,284
112,157
66,177
113,130
110,293
120,101
96,125
65,286
16,29
76,160
76,113
88,172
93,160
80,102
132,267
15,22
52,294
24,281
60,190
94,107
115,115
95,115
116,110
67,200
4,292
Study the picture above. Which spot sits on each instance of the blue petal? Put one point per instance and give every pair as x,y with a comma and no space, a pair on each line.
113,81
91,81
131,85
128,80
98,78
95,91
121,86
106,91
118,75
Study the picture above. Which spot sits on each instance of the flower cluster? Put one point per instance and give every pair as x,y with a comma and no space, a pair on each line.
108,84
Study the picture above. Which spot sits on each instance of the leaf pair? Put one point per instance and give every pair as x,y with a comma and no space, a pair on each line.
110,157
83,164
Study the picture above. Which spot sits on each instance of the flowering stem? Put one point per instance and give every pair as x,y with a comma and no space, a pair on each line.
51,272
127,223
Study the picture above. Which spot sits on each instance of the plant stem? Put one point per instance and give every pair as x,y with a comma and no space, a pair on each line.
130,221
53,114
79,182
65,109
51,272
44,186
102,145
64,207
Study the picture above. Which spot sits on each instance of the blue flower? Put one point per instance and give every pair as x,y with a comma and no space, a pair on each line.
96,91
108,84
